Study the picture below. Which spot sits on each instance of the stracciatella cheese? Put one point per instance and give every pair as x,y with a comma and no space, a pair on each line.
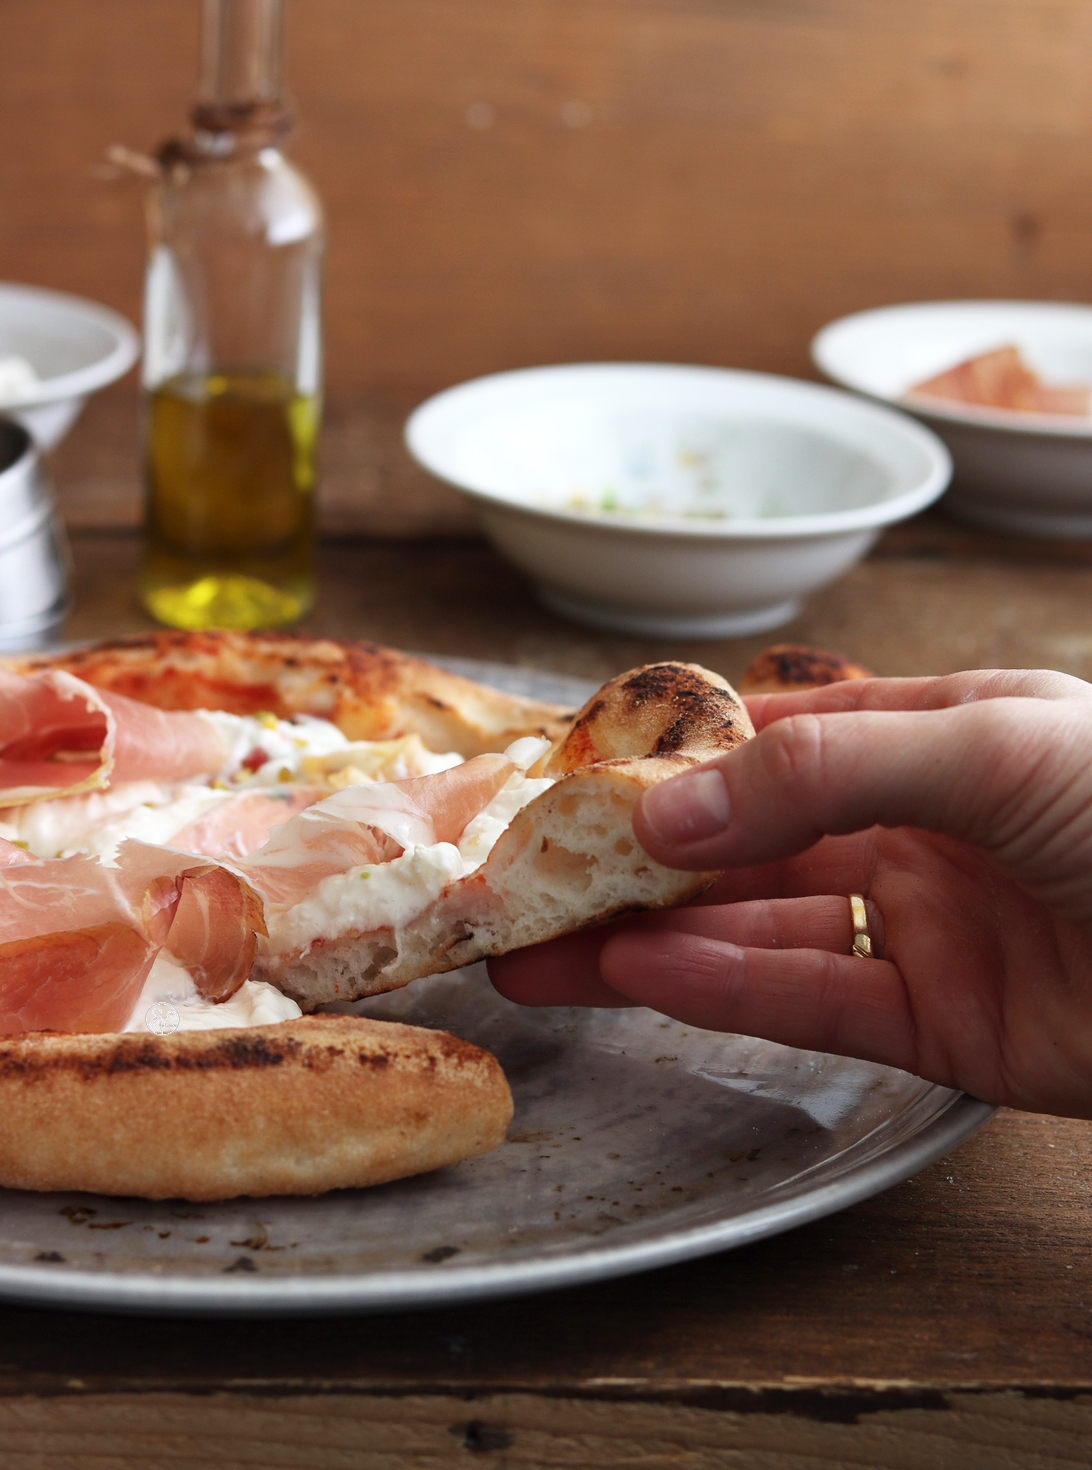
311,749
98,821
254,1004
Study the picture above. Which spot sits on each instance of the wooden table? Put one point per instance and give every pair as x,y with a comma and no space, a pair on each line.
946,1323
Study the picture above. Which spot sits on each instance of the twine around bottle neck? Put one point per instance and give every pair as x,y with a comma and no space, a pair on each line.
227,130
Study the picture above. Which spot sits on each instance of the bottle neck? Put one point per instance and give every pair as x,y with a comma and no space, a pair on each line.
241,51
239,103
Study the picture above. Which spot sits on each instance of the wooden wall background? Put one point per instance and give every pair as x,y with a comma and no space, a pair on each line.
521,181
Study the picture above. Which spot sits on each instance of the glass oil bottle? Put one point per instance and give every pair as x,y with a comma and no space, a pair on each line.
232,358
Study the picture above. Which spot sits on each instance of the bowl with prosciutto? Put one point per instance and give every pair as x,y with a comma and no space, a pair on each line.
207,838
1006,384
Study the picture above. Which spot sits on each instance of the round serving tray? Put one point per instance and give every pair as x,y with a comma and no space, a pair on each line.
637,1142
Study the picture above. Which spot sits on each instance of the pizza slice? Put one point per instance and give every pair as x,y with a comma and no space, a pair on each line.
377,886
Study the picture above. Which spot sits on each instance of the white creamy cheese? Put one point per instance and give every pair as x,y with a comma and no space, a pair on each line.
97,821
254,1004
379,896
284,743
364,761
482,831
311,749
307,749
391,895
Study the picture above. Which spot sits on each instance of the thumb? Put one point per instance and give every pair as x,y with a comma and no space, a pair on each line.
1002,774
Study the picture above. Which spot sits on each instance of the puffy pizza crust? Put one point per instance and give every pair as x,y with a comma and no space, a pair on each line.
789,667
369,692
323,1102
567,861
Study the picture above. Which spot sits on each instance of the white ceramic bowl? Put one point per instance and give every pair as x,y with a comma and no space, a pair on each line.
766,488
74,346
1029,473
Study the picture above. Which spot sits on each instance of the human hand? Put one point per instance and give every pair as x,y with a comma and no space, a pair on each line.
960,807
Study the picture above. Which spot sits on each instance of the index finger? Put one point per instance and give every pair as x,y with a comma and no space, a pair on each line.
939,692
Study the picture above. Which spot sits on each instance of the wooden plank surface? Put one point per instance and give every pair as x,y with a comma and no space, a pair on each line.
369,484
520,181
933,598
957,1431
947,1322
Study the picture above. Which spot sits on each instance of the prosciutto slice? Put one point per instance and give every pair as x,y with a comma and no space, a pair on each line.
11,854
372,824
1004,379
59,736
79,937
214,931
242,823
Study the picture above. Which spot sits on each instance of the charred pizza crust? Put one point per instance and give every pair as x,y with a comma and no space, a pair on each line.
324,1102
788,667
369,692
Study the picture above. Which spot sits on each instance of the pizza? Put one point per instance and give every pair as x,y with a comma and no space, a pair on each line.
234,830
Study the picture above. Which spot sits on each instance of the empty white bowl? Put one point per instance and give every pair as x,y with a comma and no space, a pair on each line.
676,501
74,346
1014,471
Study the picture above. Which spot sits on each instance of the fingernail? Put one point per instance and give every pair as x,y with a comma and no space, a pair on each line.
688,808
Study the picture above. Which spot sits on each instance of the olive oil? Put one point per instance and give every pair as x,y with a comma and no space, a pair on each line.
232,345
231,470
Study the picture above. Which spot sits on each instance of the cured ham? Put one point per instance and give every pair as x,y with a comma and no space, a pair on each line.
161,745
1003,379
80,937
214,931
11,854
360,825
59,736
243,823
75,980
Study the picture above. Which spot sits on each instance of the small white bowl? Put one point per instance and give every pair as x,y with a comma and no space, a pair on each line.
74,346
766,488
1029,473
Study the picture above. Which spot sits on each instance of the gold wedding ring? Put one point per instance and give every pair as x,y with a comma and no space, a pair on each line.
862,939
